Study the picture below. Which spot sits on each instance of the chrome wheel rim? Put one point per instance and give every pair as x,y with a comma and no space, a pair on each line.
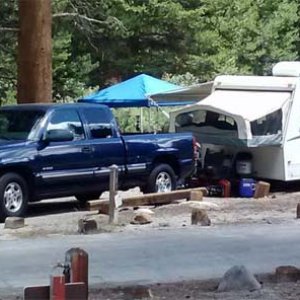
163,182
13,197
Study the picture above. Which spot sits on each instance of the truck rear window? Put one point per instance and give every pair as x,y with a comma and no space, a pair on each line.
99,123
17,124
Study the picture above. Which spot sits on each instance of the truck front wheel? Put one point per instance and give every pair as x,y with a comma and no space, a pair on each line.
13,196
162,179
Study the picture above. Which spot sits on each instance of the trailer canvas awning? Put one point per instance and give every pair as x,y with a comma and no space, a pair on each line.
250,111
249,105
193,93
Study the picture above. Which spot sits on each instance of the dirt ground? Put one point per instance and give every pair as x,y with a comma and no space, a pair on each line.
61,218
53,217
195,290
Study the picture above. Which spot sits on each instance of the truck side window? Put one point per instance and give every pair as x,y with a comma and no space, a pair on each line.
67,120
99,123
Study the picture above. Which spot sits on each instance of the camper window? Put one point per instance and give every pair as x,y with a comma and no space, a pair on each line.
205,118
267,125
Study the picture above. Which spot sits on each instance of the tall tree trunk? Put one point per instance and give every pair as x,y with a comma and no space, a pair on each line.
35,52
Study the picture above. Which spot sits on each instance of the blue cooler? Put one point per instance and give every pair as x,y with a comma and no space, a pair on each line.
247,187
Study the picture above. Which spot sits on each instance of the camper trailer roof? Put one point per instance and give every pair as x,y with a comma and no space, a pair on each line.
287,68
263,83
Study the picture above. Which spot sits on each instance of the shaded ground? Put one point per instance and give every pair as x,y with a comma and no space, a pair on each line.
205,290
61,218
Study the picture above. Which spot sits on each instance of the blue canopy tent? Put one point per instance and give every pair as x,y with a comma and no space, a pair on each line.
133,93
137,92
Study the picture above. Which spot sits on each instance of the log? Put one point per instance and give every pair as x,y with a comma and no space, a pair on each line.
147,199
262,189
196,196
101,205
160,198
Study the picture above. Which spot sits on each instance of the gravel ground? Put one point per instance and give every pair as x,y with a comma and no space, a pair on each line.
195,290
61,217
50,218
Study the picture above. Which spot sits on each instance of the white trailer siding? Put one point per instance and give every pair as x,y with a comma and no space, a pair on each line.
268,162
292,160
291,141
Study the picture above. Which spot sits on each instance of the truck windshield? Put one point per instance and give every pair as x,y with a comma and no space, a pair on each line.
18,124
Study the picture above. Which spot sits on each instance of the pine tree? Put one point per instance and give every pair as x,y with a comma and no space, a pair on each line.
34,52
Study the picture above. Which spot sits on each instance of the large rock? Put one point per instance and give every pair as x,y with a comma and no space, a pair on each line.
136,292
144,210
199,216
87,225
238,278
14,223
287,273
201,205
142,218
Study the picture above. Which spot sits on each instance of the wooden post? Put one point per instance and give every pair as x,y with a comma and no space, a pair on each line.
298,211
57,287
262,189
77,261
113,187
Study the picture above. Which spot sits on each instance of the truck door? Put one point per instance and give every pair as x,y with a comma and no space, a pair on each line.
66,165
108,147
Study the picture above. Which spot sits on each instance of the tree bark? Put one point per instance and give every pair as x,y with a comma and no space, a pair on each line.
35,52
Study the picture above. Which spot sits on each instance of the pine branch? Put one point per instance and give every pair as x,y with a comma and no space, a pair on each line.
58,15
9,29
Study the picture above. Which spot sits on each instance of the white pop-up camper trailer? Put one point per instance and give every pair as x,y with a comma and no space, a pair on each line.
258,116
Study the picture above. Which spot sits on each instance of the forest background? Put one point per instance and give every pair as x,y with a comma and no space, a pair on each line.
97,43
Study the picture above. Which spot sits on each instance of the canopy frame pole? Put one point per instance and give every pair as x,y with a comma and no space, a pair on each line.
149,118
141,120
159,107
164,112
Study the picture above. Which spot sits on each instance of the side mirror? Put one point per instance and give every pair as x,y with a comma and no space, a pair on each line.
58,135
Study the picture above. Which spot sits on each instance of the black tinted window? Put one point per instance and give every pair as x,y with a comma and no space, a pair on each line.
202,118
18,124
269,124
67,120
99,123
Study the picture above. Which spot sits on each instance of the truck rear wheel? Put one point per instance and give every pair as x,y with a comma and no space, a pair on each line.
13,196
162,179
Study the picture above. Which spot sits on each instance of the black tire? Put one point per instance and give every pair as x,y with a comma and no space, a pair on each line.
88,196
162,179
13,196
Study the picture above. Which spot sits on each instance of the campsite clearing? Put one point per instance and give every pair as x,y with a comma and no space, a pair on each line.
61,216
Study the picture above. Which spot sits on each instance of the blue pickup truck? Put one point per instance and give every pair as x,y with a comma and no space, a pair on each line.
55,150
